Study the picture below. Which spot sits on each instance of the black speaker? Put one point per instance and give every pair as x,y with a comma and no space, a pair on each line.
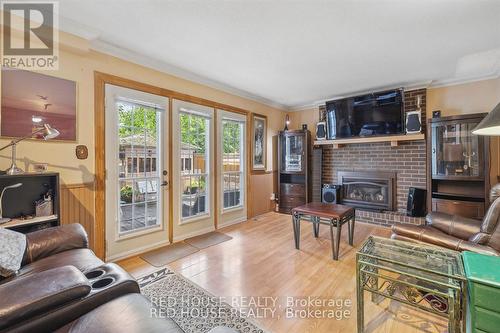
330,193
413,122
321,131
416,202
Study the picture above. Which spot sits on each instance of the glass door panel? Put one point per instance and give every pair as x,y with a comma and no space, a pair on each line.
194,158
136,171
293,157
456,150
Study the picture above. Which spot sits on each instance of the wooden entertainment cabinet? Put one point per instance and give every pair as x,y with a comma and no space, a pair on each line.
459,179
294,169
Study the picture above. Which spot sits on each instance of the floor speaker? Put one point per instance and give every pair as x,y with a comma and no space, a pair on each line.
330,193
416,202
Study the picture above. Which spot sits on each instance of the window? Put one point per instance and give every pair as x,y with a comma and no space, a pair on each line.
186,163
232,162
194,159
137,188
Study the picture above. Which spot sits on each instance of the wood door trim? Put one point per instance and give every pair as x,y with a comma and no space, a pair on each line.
216,184
100,167
170,176
100,80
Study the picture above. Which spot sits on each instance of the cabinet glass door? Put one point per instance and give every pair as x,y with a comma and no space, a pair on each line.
292,158
456,151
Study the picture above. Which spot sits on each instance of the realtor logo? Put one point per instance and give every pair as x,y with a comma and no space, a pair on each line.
30,35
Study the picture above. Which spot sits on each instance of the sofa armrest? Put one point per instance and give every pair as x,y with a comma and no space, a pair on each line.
46,242
454,225
35,294
473,247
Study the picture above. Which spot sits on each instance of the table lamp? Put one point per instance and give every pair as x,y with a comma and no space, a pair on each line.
47,132
6,219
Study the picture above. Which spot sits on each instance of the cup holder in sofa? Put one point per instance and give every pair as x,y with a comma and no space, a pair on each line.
101,283
94,274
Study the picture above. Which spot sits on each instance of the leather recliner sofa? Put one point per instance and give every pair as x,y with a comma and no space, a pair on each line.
457,232
63,286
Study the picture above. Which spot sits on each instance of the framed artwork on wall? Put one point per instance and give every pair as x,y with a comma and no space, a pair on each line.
259,142
30,100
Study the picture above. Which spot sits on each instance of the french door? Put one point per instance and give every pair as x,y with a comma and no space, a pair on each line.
136,171
193,170
231,167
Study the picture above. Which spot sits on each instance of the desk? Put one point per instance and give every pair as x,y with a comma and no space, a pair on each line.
332,215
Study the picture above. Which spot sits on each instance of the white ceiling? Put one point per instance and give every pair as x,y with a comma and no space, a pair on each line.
296,53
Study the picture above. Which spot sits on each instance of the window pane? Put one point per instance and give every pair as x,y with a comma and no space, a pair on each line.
139,216
232,162
194,196
193,142
193,164
125,112
138,134
152,213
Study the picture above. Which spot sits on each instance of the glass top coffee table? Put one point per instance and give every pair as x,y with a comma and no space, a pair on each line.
426,277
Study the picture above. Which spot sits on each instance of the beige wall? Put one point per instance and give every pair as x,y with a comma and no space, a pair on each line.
473,97
309,116
78,63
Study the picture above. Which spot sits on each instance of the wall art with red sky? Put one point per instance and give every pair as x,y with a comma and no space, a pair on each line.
30,100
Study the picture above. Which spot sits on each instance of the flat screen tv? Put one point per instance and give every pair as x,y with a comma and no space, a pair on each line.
380,113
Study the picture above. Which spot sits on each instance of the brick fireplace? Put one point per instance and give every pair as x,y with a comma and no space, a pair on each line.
407,162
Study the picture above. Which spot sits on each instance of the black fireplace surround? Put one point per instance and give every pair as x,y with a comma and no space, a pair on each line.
370,190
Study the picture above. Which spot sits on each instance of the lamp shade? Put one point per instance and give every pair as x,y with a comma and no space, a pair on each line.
49,132
490,125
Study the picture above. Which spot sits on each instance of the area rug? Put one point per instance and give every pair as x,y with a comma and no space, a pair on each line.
194,309
164,255
208,239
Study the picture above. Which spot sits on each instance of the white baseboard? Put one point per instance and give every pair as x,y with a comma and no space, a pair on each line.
136,251
235,221
194,233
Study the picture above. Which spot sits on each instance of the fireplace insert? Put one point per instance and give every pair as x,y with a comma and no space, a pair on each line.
368,190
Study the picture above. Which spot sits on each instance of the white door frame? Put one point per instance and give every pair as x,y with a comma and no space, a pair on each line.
237,214
118,245
196,225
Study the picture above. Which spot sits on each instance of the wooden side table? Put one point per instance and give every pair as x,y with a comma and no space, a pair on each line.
332,215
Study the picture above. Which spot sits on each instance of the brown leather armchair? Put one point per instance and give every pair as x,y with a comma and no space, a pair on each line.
457,232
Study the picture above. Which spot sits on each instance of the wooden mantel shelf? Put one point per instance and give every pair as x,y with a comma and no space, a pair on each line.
393,139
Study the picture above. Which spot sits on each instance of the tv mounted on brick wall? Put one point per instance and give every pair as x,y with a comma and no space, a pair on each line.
375,114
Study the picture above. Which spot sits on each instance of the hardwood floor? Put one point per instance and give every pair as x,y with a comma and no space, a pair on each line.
261,261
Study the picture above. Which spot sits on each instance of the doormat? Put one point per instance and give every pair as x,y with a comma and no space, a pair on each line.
208,239
166,254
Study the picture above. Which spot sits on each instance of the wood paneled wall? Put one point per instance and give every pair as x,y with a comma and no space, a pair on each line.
262,185
77,205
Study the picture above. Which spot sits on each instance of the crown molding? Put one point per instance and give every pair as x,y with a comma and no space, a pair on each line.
78,29
134,57
463,80
93,36
408,87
